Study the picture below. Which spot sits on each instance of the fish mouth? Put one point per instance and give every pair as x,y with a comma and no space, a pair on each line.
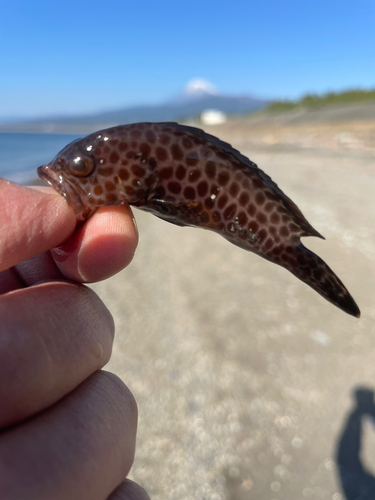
73,195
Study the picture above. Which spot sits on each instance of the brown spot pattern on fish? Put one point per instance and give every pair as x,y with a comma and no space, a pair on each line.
190,178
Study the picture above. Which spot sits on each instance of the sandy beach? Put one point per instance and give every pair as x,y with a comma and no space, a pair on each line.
244,376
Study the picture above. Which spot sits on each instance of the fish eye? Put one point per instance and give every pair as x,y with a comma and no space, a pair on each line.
81,166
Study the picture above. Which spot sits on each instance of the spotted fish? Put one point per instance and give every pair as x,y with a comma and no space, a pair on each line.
190,178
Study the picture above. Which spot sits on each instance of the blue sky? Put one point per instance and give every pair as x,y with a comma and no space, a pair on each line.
78,56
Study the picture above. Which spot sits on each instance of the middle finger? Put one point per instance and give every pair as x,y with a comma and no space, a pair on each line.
52,337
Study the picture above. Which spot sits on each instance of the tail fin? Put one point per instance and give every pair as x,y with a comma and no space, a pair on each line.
313,271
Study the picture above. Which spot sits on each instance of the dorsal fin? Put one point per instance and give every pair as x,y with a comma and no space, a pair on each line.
212,140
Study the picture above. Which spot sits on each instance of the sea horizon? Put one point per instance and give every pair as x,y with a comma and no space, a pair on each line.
22,153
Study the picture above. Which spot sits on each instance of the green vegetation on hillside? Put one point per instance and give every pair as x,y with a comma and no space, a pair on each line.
330,98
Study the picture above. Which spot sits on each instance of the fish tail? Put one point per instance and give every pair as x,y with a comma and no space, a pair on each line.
313,271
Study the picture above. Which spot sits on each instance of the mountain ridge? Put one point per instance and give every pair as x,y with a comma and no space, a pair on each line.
198,96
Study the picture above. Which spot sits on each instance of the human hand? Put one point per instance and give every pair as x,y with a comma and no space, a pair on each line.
67,429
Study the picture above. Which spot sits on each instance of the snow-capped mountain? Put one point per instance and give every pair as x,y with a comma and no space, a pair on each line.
198,95
198,88
195,90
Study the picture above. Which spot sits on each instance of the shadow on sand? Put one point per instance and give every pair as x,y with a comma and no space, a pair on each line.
357,483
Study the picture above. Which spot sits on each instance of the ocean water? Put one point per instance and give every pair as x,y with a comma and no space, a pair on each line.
22,154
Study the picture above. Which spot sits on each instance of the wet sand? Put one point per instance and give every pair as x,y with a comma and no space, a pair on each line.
244,376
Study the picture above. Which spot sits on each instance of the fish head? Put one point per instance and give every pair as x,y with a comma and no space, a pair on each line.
79,175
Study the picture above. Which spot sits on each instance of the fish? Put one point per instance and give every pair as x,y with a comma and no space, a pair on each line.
188,177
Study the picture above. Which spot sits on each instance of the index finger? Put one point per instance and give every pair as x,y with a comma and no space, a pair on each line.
32,222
